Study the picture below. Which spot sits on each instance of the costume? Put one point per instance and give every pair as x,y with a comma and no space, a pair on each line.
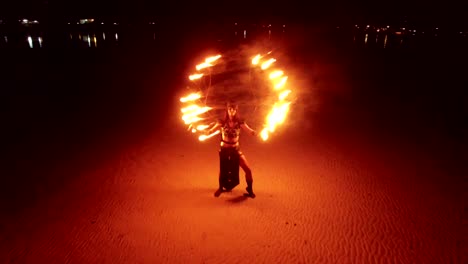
231,157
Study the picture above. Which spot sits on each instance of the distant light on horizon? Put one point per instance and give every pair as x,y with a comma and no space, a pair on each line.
86,21
28,22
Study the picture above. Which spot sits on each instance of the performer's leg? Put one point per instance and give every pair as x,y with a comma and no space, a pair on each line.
245,166
248,174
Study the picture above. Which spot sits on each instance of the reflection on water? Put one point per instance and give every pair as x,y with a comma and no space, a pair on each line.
90,39
112,36
381,40
33,42
30,42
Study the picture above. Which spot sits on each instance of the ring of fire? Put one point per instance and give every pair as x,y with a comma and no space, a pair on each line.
193,108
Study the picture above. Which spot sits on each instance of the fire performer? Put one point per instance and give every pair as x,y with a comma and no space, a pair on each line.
229,151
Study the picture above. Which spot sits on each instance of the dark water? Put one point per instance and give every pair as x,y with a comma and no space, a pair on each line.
71,99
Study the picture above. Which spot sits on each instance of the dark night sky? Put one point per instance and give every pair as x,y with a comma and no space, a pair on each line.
442,12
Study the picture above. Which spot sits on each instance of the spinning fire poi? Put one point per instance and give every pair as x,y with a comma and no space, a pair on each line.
195,114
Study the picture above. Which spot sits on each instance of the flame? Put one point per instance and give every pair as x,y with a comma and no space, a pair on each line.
267,63
281,83
205,137
207,62
195,76
189,108
202,127
203,65
256,59
276,74
191,116
264,134
276,117
191,119
191,111
212,59
190,97
280,109
283,95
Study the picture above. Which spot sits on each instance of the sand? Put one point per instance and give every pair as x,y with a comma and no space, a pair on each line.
319,200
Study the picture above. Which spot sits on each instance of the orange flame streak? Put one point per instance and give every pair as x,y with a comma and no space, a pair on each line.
192,116
190,97
202,127
192,119
212,59
203,65
281,83
264,134
189,108
283,95
276,74
195,76
276,117
256,59
207,62
205,137
267,63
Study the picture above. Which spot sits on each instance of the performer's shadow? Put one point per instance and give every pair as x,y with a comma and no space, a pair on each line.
237,199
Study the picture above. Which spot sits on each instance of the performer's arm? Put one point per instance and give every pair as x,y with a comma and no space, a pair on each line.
214,128
248,129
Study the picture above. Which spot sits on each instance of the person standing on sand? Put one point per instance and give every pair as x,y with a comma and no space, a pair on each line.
230,131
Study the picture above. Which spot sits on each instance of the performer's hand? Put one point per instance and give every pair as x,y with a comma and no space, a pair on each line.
254,133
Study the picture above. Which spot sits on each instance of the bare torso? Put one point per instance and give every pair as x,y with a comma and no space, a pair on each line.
230,133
